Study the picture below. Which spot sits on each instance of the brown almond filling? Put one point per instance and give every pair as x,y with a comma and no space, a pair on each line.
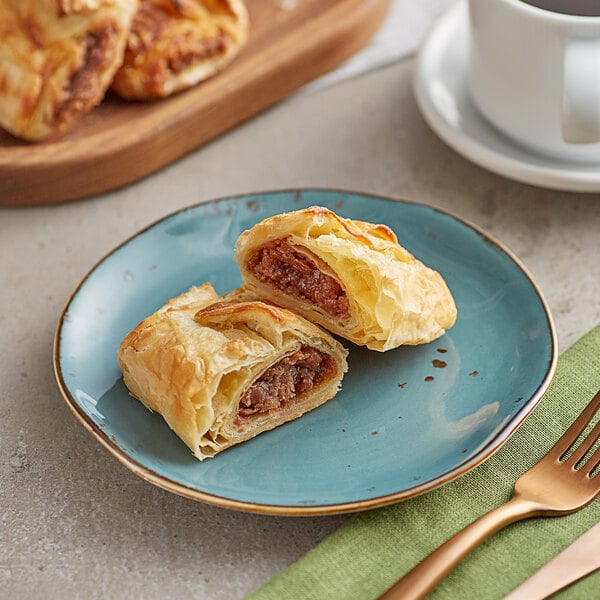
84,89
287,380
280,265
150,25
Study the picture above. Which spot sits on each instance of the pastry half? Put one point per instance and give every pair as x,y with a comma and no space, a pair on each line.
221,370
351,277
57,59
175,44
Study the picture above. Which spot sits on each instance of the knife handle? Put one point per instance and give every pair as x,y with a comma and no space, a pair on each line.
575,562
430,571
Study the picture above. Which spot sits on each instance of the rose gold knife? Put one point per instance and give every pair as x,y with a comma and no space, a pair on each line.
576,561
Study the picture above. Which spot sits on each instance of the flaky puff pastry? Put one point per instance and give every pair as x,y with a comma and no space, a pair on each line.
351,277
57,59
175,44
221,370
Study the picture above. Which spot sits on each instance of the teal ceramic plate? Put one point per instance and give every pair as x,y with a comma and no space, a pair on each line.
406,421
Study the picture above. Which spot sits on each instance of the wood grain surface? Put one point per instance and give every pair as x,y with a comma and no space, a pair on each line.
291,43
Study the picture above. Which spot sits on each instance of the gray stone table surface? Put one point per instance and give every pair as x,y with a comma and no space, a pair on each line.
75,523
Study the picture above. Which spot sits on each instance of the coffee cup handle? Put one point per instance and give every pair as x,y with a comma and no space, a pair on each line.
581,91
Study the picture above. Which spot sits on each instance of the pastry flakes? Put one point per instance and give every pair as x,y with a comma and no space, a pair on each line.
351,277
57,59
221,370
175,44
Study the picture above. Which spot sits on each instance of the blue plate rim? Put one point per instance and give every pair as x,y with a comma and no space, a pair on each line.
149,475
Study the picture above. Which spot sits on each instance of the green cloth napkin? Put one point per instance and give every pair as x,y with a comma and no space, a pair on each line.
375,548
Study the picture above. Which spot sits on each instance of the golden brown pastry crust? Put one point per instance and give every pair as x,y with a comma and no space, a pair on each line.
175,44
193,359
57,59
391,298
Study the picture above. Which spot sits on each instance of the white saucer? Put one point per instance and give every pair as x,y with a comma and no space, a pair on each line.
442,95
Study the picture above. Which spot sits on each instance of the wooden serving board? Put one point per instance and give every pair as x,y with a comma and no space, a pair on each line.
291,43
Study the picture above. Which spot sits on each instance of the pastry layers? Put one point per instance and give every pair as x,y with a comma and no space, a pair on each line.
221,370
57,59
175,44
351,277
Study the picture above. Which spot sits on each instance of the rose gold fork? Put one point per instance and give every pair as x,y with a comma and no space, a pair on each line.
557,485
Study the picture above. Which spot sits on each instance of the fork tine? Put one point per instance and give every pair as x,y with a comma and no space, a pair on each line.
585,445
574,431
592,463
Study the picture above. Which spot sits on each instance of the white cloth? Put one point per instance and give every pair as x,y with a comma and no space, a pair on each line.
399,36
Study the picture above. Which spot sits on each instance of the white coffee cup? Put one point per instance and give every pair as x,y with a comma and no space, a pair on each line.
535,75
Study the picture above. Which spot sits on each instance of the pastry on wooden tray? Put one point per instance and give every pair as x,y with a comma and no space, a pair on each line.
175,44
351,277
57,59
221,370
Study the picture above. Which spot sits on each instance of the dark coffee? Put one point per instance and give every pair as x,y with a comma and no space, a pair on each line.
584,8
